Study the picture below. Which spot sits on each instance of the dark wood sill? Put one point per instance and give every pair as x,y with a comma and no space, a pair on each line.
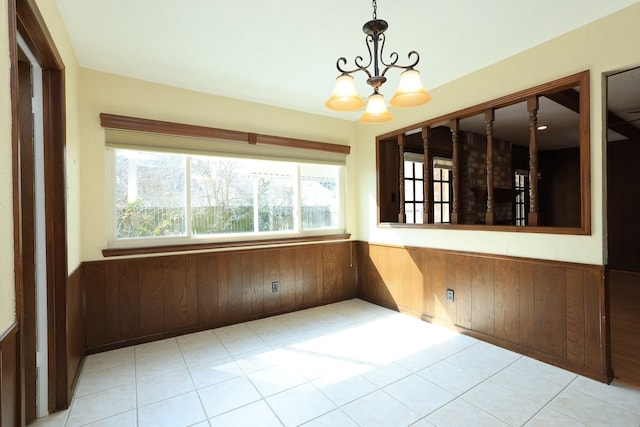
484,227
145,250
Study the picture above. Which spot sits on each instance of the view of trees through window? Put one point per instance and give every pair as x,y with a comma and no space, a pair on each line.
168,195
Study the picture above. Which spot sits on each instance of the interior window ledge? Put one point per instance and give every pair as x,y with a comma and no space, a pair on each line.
148,250
483,227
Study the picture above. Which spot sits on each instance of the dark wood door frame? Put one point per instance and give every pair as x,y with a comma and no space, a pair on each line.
27,207
25,18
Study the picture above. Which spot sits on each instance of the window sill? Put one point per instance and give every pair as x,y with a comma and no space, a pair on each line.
146,250
484,227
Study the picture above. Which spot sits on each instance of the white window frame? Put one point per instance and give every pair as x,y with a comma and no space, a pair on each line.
443,164
416,159
114,242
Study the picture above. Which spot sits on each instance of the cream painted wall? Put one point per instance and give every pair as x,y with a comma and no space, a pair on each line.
610,44
7,281
606,45
55,25
107,93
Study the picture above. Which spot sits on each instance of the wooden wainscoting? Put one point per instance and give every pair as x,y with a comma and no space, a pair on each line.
75,327
624,307
135,300
552,311
9,378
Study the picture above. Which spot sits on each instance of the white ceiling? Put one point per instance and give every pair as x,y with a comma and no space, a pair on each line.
283,52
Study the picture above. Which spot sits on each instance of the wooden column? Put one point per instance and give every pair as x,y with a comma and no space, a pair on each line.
402,216
426,213
532,107
489,117
455,124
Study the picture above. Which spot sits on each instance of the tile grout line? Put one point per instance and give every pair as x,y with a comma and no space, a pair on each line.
546,405
193,383
482,382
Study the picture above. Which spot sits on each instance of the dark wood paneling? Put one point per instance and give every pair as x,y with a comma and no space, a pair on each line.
551,311
482,296
507,300
623,205
152,288
414,295
595,327
231,276
287,277
459,279
527,306
559,188
112,300
27,209
175,293
387,165
207,285
9,379
550,308
576,333
129,310
149,298
624,308
95,310
75,326
252,284
436,287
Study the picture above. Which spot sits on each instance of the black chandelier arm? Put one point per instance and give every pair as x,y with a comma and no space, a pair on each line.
358,59
394,62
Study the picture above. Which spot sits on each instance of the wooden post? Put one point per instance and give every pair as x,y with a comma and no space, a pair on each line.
532,107
455,124
426,213
402,216
489,118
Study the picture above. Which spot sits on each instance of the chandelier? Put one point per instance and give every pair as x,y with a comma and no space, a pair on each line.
410,91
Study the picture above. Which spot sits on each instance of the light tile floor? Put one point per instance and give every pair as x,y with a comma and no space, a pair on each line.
345,364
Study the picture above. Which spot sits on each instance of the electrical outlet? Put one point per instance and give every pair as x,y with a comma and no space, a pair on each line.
450,297
275,286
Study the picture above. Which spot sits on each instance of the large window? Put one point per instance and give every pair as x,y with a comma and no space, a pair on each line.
166,197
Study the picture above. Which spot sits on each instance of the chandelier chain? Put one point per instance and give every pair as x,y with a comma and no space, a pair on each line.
375,9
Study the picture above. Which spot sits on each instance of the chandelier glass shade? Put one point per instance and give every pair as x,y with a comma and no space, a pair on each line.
410,91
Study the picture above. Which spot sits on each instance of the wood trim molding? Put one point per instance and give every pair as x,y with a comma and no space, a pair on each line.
563,86
148,250
114,121
11,412
32,27
18,417
552,86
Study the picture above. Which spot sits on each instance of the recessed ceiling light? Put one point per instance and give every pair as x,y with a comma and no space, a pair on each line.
543,127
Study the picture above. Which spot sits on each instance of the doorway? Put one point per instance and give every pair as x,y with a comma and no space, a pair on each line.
623,227
34,262
26,22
